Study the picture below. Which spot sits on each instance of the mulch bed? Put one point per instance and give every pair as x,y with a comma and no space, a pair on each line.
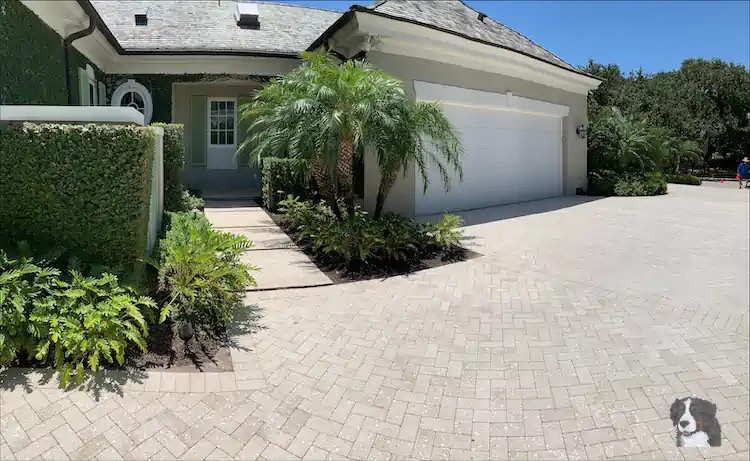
338,275
167,351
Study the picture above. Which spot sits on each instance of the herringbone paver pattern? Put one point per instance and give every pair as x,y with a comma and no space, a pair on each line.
509,356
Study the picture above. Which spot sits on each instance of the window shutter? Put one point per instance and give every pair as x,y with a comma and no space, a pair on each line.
242,126
83,87
102,94
198,122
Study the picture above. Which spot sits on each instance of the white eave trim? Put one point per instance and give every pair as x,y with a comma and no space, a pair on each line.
201,64
66,17
467,97
407,39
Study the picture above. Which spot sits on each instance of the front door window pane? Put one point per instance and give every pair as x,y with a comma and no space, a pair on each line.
221,122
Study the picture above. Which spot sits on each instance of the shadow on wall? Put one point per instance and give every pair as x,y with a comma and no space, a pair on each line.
515,210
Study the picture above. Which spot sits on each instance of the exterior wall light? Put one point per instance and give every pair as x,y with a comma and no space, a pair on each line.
581,132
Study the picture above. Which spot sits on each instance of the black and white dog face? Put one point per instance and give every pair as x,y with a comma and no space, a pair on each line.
695,422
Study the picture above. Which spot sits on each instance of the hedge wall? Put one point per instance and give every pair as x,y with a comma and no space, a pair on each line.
174,162
85,188
33,59
279,179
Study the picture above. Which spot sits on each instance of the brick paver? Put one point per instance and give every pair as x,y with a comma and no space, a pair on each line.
569,339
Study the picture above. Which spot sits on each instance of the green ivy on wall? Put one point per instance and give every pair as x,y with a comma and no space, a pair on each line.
33,59
160,87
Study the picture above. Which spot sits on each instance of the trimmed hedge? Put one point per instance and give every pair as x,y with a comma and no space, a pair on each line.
279,179
608,183
174,162
683,179
86,188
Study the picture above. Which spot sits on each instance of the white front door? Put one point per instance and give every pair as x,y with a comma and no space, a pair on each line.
222,134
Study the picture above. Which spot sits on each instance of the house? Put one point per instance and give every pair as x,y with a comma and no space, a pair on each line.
520,109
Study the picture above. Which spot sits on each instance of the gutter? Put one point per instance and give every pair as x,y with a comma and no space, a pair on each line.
67,43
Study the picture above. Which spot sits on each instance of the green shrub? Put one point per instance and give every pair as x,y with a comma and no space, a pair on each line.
304,218
174,162
281,177
358,240
76,321
90,320
445,234
641,185
23,285
191,202
201,274
608,183
683,179
84,187
401,239
355,239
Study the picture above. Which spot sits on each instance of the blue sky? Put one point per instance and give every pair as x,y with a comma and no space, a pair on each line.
655,35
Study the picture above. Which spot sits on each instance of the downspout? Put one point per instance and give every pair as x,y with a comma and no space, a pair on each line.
67,43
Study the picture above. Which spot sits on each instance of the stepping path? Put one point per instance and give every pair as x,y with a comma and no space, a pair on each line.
282,264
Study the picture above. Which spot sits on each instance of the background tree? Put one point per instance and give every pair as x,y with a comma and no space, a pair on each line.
704,101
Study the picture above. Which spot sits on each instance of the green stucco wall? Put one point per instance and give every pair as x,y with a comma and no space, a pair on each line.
32,59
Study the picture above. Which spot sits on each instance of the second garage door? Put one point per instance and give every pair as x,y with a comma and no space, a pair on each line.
513,150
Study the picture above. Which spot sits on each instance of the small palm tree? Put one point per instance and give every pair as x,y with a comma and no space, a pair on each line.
420,135
621,143
325,114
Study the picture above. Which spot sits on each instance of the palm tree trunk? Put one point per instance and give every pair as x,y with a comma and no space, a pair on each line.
346,172
323,180
386,183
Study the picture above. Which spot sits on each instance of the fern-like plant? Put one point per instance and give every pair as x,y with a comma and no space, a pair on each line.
88,319
23,285
201,274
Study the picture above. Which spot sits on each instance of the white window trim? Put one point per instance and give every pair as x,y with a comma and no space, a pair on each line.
208,122
133,86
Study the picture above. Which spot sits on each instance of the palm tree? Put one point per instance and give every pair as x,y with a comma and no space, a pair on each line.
420,135
621,143
325,114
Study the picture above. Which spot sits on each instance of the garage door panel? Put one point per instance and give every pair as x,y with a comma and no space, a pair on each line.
510,156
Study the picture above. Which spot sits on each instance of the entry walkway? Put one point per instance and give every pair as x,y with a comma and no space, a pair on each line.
281,263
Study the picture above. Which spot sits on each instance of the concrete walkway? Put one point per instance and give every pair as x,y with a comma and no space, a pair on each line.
281,263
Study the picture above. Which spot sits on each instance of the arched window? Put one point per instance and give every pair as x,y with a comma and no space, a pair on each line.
133,94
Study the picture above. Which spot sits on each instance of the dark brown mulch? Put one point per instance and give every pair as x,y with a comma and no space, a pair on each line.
167,351
338,275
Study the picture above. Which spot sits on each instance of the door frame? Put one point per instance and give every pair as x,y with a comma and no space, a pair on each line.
209,145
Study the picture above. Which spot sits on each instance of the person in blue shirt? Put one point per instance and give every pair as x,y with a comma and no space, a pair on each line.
743,172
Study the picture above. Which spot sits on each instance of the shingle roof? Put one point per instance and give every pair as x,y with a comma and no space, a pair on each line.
205,26
209,25
455,16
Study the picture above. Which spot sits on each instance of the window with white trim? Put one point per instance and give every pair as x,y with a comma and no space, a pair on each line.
133,94
221,122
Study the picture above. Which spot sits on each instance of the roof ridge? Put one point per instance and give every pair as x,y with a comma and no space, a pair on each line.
290,5
516,32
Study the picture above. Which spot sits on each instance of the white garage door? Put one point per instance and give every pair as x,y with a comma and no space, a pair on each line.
513,150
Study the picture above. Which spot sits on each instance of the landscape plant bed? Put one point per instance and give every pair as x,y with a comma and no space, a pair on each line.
337,270
167,351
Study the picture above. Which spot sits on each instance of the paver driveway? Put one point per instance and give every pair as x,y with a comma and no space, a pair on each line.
569,339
